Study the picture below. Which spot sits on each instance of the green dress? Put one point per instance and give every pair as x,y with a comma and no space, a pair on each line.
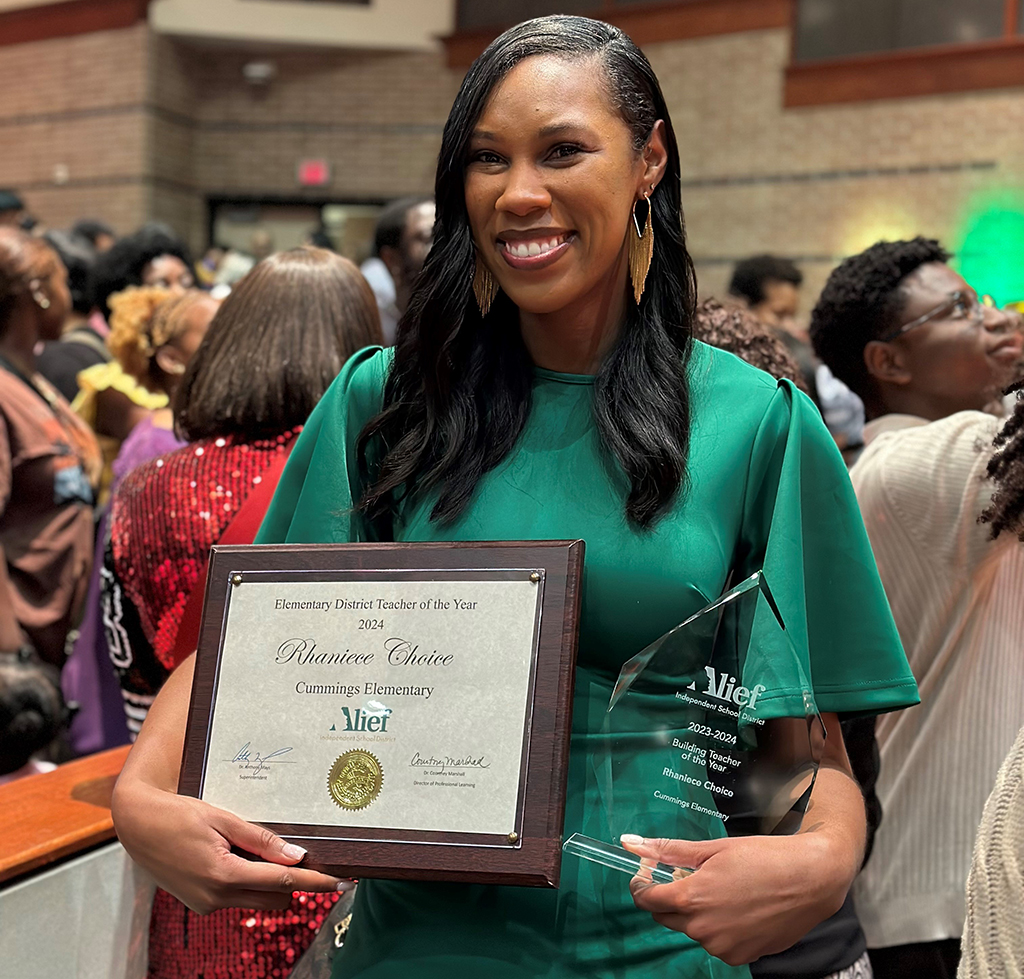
766,489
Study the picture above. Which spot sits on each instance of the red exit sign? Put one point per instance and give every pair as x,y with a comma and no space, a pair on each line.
314,173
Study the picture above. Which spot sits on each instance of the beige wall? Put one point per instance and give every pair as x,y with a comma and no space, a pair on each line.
758,177
383,24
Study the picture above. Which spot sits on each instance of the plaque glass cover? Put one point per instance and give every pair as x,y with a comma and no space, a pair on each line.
379,701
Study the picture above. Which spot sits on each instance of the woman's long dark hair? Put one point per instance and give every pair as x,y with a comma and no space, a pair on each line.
458,394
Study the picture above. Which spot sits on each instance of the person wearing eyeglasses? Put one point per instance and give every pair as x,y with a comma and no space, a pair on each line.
927,355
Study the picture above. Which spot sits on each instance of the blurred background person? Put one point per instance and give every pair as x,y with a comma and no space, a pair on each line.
152,256
33,715
154,334
320,237
109,400
49,461
291,324
401,241
99,235
235,264
81,344
208,266
993,940
12,208
732,327
905,332
770,286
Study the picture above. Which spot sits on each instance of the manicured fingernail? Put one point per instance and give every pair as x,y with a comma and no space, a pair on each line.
344,886
631,839
293,852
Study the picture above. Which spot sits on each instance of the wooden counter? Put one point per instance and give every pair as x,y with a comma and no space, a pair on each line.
45,818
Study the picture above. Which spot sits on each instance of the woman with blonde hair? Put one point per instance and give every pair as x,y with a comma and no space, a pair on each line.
153,336
134,384
154,333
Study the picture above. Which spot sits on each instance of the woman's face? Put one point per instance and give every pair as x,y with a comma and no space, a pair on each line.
168,271
50,322
551,179
173,357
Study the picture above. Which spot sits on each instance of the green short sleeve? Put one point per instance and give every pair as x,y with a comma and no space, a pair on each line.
316,496
802,526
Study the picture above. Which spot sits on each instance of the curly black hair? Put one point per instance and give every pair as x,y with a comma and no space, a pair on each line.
1006,469
861,300
729,326
124,264
752,274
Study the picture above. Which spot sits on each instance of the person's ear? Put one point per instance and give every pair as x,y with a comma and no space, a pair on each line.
655,155
887,363
170,361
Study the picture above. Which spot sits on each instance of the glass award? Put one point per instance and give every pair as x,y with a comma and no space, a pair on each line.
710,731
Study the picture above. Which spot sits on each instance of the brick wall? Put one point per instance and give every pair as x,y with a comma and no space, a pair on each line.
376,117
149,126
77,103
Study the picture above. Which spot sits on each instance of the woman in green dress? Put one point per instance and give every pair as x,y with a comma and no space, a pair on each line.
545,385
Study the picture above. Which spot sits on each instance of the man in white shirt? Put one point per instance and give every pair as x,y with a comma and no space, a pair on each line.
402,239
912,339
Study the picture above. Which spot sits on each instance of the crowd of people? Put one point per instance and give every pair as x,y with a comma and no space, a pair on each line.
869,460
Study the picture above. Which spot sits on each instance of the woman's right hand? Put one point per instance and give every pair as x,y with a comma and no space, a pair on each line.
188,845
190,848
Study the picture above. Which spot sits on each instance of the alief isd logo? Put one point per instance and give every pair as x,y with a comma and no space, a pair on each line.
721,686
366,719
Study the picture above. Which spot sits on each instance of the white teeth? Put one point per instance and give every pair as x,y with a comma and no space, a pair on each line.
530,249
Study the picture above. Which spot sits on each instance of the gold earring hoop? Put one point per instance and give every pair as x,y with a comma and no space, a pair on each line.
641,249
485,286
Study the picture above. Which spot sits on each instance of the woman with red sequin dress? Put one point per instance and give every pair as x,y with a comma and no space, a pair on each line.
272,350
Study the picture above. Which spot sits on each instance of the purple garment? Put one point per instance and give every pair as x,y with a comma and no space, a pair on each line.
88,677
145,441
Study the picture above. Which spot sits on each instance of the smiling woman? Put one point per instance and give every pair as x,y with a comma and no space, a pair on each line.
545,386
559,132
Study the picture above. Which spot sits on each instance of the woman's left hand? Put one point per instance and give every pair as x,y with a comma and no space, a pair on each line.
748,896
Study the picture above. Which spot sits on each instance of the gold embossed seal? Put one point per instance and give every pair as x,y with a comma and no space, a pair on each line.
355,779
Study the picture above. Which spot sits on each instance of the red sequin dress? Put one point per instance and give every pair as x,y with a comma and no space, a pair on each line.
165,517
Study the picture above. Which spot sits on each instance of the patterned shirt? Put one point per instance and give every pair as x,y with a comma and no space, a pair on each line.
956,598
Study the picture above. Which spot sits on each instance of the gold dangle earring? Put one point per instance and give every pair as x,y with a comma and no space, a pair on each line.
485,286
641,250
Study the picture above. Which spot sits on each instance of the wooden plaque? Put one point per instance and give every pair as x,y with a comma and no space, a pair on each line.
398,710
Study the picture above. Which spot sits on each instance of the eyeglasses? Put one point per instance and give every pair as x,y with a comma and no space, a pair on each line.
957,305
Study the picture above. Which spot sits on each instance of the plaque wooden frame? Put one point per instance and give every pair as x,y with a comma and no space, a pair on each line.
533,858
